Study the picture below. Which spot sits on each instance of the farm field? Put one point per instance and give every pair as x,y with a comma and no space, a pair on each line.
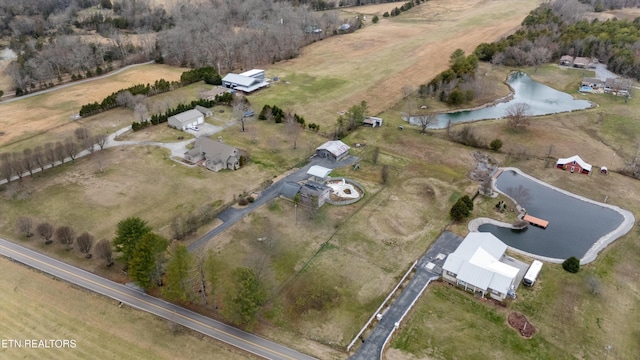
36,306
375,63
357,253
53,111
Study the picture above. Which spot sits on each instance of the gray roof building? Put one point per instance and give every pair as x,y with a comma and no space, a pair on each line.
216,155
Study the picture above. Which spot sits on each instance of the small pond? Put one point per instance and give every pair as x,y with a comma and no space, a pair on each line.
575,224
542,100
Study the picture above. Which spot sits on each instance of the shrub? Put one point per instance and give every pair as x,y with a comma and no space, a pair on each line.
496,145
467,201
375,19
386,14
250,199
243,201
459,211
571,265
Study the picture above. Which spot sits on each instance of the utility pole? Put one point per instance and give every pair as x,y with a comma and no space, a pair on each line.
608,348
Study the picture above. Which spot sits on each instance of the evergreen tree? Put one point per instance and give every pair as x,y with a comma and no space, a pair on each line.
177,285
128,233
146,259
248,296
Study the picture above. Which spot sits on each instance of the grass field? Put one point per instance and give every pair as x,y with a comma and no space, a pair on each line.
35,306
52,112
364,248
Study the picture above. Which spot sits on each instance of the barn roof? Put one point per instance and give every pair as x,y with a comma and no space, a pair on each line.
336,147
240,80
583,164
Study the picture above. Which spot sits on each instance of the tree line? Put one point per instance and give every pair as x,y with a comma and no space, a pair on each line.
559,28
66,236
127,97
47,155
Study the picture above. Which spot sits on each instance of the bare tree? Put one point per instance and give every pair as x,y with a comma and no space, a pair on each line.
71,148
539,55
28,162
85,242
240,107
141,112
24,224
18,165
293,129
50,153
101,140
60,152
45,230
518,116
104,251
424,120
65,236
82,134
39,158
6,166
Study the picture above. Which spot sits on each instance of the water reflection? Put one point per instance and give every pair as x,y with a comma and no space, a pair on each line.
541,99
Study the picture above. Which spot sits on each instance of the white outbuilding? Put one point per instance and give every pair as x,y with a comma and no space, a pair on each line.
186,120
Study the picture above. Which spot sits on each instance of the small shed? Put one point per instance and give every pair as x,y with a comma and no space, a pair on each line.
574,164
604,170
372,121
318,173
335,150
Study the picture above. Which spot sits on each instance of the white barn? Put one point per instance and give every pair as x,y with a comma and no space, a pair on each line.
186,120
247,82
476,266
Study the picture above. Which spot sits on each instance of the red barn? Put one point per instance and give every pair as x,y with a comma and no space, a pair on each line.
574,164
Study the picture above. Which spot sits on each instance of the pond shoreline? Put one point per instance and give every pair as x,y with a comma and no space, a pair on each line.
591,254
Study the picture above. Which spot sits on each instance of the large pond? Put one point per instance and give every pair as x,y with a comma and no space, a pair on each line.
575,224
541,99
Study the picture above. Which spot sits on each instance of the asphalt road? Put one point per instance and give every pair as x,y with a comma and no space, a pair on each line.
139,300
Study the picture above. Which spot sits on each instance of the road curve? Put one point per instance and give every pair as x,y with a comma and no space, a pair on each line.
202,324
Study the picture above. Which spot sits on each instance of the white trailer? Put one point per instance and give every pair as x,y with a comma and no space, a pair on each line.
532,274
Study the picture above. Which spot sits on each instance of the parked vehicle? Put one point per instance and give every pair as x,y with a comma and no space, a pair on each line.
532,274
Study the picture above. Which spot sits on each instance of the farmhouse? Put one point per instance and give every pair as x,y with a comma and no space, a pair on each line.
566,60
216,155
335,150
314,194
476,266
247,82
574,164
186,120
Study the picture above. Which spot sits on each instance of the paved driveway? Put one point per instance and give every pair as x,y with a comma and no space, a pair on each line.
429,268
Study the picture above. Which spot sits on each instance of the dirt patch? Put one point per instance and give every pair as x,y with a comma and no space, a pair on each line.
522,325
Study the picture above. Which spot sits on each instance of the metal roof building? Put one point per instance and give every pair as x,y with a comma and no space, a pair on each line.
335,150
476,266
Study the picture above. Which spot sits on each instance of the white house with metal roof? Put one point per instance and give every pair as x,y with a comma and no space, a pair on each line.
476,266
186,120
247,82
335,150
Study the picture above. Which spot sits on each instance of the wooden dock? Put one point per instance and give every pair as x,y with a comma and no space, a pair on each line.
536,221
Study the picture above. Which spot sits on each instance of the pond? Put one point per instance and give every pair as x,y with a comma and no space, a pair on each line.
542,100
578,226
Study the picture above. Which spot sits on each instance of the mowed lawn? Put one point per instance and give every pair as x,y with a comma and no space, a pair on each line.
51,111
35,306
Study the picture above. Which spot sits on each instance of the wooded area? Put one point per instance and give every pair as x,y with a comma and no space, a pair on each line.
71,39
